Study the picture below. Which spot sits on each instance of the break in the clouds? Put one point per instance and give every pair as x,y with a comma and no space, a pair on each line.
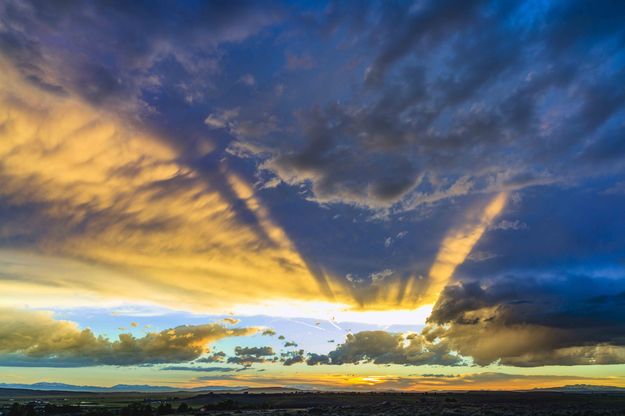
348,166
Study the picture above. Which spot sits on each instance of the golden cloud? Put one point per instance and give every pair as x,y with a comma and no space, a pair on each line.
26,335
110,213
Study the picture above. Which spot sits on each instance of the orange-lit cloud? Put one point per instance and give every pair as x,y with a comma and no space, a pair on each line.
36,337
111,201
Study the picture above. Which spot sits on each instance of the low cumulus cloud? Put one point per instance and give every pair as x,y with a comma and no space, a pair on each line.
36,338
247,356
381,347
255,351
216,357
292,357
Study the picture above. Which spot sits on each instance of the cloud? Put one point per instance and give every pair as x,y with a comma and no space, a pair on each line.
125,64
255,351
216,357
35,338
222,118
516,321
378,277
459,100
532,321
388,241
293,357
200,369
248,79
247,356
480,256
381,347
247,360
242,127
409,108
82,190
509,225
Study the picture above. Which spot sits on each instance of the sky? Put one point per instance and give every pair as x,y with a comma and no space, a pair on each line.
412,195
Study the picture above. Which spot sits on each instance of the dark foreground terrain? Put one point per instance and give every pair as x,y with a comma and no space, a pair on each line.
51,403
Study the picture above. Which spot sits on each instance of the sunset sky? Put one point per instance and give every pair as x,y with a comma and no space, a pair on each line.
418,195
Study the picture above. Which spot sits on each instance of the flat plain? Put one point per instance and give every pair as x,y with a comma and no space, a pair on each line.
58,403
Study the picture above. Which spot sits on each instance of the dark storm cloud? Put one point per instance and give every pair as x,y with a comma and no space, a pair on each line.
464,98
426,27
533,321
514,320
580,302
457,98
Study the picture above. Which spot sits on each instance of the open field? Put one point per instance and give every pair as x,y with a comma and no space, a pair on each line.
38,403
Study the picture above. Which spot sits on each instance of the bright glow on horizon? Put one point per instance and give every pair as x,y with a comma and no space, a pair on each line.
337,313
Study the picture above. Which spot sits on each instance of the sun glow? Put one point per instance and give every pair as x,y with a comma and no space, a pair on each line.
337,313
190,248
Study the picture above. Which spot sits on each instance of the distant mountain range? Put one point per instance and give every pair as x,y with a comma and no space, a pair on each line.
583,388
145,388
142,388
